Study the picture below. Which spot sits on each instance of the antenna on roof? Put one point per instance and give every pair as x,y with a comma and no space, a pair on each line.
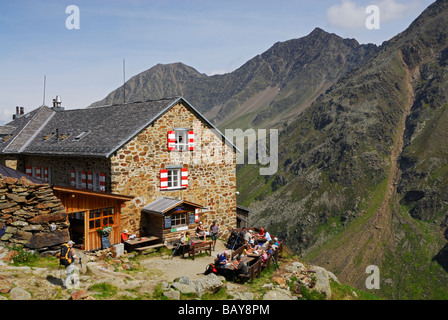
45,82
124,80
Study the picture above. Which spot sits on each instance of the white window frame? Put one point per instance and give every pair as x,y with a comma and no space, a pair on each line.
181,134
174,173
42,173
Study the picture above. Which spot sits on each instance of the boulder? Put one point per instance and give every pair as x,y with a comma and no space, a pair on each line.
278,294
42,240
17,293
210,283
323,280
172,294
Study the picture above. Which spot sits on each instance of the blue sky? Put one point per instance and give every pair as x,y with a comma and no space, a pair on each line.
214,37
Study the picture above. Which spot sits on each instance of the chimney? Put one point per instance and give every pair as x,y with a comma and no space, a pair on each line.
19,112
57,104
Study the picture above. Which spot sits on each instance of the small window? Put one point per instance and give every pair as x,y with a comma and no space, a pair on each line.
101,217
174,178
81,135
181,139
178,219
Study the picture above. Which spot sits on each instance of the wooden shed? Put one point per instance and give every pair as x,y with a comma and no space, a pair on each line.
88,211
167,218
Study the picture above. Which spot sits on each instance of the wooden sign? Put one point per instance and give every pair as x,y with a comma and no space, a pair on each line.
105,242
167,222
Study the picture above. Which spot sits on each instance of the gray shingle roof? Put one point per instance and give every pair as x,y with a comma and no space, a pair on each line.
162,205
95,131
104,128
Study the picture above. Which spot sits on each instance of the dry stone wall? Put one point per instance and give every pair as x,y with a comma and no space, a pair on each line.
31,215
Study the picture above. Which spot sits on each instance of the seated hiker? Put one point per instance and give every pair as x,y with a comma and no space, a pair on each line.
247,249
267,236
185,240
248,236
269,250
261,233
222,258
124,235
200,231
240,266
264,256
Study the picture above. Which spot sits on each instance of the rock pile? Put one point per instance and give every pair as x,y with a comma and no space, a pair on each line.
31,215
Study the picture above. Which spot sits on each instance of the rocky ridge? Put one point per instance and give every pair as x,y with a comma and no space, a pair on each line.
133,280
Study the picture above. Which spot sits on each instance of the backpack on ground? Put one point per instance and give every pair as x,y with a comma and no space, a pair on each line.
64,258
210,269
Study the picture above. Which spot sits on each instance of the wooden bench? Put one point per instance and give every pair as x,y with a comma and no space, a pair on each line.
236,252
254,270
154,246
201,246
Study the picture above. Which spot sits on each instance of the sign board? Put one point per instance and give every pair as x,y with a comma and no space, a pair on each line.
167,222
179,229
105,242
191,218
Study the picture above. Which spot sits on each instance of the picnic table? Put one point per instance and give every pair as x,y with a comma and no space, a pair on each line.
140,242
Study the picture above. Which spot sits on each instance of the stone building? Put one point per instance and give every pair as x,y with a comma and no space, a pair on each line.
147,150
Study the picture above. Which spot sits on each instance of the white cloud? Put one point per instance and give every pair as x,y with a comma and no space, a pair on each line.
346,15
349,15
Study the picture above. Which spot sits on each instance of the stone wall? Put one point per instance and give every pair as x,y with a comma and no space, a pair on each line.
135,170
31,215
60,167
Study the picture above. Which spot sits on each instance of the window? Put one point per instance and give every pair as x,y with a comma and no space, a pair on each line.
173,178
40,172
101,217
81,135
83,179
178,219
181,139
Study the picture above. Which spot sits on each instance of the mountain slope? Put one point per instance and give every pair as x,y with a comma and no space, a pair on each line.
271,87
364,167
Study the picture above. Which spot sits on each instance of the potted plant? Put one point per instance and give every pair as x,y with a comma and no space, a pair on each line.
104,230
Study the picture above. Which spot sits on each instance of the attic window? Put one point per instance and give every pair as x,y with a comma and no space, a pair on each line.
81,135
4,138
46,137
63,136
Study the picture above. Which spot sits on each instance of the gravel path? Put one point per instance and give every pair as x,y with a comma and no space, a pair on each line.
170,269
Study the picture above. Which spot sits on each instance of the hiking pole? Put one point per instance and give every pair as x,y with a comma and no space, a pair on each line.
275,262
236,240
175,250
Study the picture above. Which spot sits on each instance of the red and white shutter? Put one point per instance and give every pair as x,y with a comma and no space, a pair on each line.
102,182
184,178
83,179
171,140
196,215
73,178
46,174
190,140
89,180
29,170
164,179
38,174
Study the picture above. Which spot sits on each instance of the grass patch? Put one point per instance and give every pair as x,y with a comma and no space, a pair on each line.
104,290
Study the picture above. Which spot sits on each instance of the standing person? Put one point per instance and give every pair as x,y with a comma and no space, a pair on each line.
214,231
67,259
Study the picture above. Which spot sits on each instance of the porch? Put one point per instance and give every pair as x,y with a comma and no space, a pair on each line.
90,210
